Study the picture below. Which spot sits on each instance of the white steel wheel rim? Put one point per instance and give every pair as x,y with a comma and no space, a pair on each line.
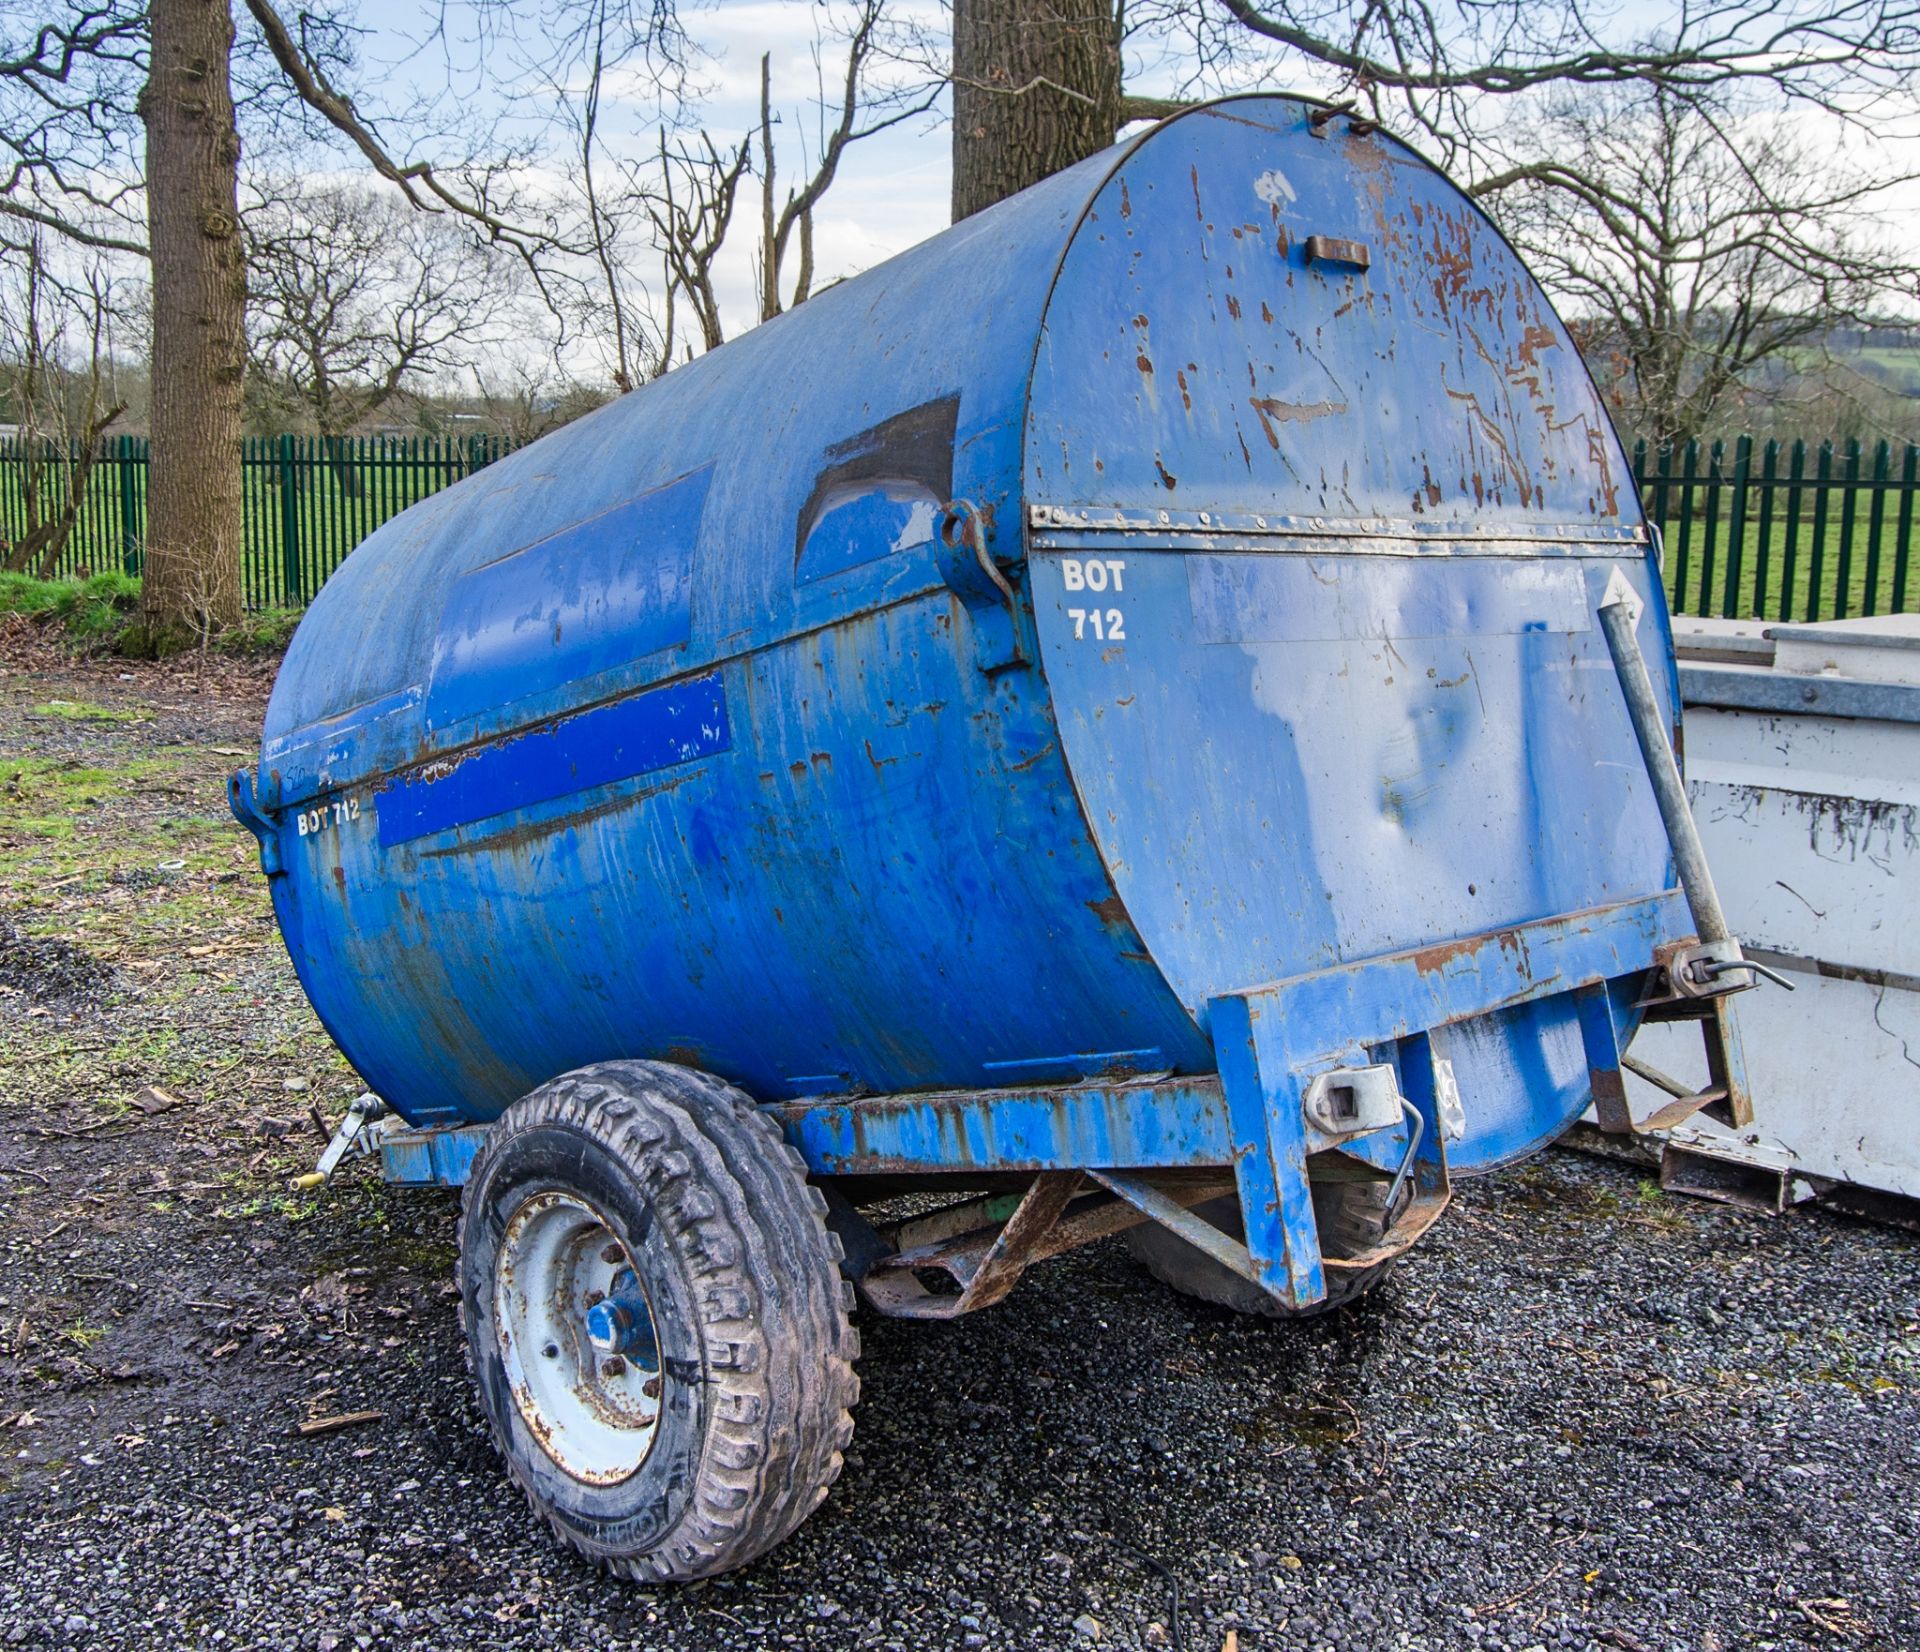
594,1414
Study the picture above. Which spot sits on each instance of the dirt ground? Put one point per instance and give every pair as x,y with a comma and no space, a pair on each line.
1584,1415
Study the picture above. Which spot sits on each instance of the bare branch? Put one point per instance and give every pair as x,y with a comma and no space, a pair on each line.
73,231
417,180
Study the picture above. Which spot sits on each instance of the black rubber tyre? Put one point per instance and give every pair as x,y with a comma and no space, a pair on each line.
1350,1216
754,1347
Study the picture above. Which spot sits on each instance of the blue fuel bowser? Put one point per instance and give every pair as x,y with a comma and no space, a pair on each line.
1152,712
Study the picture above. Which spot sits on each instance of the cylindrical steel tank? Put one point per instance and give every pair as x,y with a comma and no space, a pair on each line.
696,730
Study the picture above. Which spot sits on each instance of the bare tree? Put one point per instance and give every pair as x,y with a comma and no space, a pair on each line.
70,75
609,223
690,202
76,90
1693,243
860,112
605,298
523,403
1445,65
55,371
1031,93
355,296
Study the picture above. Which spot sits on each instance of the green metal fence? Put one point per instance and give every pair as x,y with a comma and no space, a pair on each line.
1773,530
306,500
1785,531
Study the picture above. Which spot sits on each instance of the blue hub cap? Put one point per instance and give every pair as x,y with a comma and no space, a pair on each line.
620,1323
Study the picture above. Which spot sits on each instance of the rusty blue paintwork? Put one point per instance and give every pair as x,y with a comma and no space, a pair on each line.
1002,668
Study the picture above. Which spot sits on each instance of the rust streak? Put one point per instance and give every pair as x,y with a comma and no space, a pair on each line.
1274,412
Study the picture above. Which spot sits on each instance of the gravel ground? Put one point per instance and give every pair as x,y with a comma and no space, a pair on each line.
1584,1414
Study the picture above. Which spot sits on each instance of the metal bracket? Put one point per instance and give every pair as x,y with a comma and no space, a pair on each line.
983,1245
985,1269
1725,1098
1713,970
967,566
1353,1101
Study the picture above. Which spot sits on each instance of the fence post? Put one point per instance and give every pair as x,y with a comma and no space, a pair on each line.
1763,543
130,534
1709,552
1903,534
289,526
1817,549
1796,470
1737,528
1876,523
1689,459
1843,574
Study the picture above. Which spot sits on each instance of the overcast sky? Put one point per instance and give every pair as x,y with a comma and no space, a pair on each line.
892,190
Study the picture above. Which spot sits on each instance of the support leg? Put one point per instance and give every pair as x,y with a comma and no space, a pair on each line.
1727,1067
1600,1032
1264,1095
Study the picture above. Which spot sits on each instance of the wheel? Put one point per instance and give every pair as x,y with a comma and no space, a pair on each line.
1350,1215
655,1318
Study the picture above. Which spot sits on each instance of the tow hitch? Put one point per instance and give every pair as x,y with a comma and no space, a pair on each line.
366,1111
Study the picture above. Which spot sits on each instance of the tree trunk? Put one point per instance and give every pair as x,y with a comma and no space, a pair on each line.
1036,87
192,569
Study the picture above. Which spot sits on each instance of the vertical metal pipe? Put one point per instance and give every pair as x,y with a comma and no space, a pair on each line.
1619,613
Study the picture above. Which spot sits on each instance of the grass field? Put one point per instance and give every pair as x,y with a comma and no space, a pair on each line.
1791,576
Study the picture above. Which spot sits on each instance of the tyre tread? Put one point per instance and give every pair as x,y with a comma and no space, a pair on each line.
781,1379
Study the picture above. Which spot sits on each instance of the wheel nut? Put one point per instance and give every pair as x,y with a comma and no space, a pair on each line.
615,1367
613,1253
651,1388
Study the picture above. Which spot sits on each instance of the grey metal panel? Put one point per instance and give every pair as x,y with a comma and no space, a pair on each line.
1746,688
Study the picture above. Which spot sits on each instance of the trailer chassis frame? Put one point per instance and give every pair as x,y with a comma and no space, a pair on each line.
1092,1158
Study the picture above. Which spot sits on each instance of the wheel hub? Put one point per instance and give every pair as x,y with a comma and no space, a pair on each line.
577,1338
622,1323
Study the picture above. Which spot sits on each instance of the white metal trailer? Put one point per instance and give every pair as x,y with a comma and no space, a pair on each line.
1803,764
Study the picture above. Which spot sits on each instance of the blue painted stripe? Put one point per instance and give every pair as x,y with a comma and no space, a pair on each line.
673,724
